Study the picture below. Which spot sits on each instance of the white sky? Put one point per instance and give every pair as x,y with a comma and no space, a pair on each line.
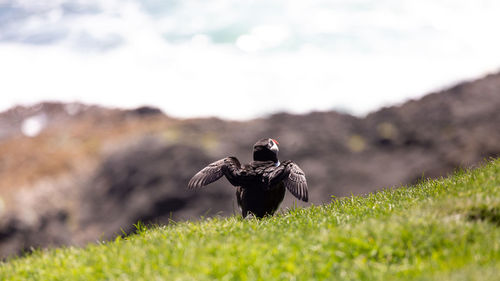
242,59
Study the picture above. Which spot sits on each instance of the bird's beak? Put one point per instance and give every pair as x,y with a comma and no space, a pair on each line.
275,146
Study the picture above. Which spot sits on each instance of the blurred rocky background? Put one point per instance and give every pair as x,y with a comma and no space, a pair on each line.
71,174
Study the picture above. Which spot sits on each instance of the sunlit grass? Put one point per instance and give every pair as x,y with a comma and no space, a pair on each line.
446,229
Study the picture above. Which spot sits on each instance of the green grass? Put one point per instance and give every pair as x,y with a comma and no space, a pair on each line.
446,229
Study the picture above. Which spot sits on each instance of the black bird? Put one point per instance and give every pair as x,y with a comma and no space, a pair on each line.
261,184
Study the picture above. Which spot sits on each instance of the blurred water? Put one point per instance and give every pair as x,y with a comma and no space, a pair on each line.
241,59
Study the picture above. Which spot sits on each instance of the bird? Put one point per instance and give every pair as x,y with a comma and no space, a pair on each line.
260,184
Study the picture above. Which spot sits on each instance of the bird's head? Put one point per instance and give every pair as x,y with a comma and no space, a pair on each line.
266,150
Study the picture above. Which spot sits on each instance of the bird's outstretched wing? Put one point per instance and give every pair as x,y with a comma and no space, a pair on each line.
228,166
294,180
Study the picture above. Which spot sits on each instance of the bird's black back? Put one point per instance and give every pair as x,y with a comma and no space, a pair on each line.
256,193
256,173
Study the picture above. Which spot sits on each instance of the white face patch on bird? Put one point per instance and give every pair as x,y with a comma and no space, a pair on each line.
273,145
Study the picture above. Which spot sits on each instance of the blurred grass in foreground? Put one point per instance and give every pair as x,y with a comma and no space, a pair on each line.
446,229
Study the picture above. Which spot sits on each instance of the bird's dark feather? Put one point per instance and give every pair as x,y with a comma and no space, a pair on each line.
261,184
296,182
228,166
263,173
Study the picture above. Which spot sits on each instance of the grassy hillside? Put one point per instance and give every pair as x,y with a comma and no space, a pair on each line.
447,229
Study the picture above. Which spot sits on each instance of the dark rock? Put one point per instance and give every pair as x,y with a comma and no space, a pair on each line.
147,182
146,111
18,236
